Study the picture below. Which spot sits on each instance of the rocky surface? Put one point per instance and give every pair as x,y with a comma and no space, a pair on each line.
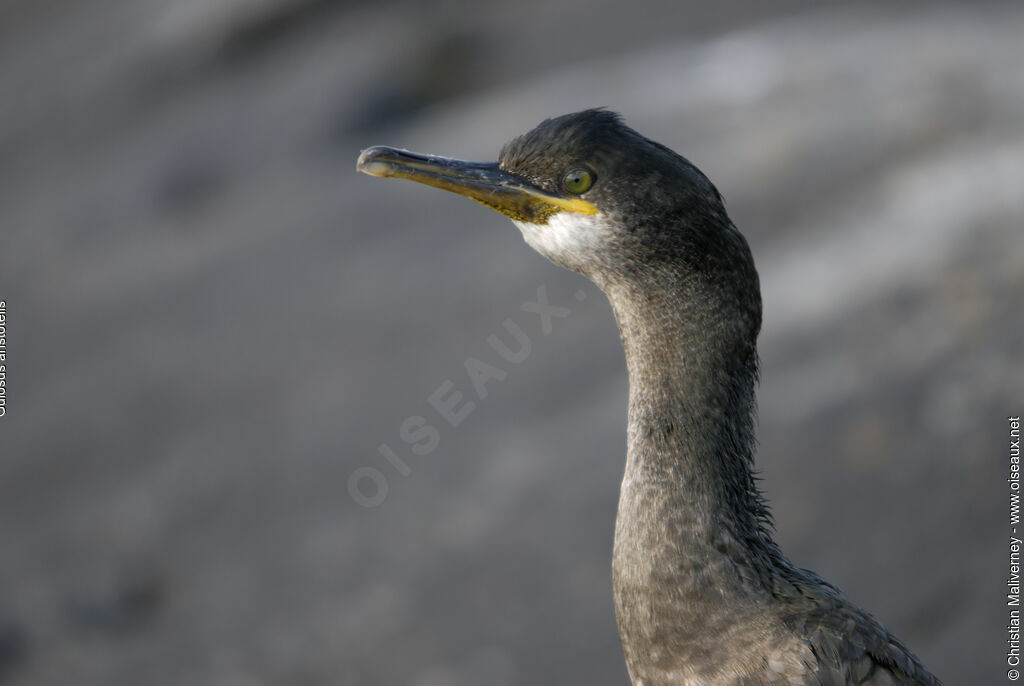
213,323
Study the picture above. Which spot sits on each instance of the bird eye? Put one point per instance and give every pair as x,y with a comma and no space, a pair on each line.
578,180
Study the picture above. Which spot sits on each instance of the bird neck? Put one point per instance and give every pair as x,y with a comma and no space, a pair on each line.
689,511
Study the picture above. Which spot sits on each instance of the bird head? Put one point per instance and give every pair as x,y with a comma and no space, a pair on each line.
589,193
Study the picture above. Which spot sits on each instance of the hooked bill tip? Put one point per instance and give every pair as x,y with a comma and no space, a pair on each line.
368,163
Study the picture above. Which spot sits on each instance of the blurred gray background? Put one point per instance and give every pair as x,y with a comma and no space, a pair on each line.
214,322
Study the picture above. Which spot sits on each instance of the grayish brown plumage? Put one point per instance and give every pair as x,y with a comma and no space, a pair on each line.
703,594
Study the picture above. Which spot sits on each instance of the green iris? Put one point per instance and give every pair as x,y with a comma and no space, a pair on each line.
578,180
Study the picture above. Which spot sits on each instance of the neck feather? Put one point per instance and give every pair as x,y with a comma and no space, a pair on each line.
688,489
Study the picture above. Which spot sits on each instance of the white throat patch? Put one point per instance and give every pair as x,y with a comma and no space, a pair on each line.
568,237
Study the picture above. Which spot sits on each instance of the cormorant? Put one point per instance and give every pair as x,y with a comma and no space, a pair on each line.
703,595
